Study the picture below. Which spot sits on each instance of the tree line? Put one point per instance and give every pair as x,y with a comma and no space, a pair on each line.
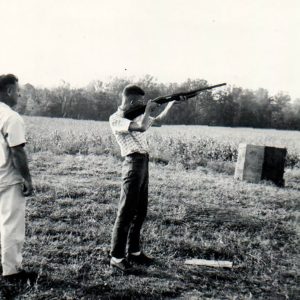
229,106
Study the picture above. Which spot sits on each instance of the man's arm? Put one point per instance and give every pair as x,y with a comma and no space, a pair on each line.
20,162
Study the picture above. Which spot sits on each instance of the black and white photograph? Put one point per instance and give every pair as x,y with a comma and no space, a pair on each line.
149,149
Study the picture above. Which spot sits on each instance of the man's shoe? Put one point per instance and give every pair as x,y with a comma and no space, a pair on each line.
141,259
123,265
21,277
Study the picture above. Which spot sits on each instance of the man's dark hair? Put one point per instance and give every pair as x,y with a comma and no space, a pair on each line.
6,80
132,89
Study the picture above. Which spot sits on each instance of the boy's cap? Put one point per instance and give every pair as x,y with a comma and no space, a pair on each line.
132,89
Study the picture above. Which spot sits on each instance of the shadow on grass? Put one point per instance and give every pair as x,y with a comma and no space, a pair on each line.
231,219
45,283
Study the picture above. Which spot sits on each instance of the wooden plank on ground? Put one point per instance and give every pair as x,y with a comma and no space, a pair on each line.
209,263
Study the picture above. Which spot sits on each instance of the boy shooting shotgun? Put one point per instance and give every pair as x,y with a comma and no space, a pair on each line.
140,109
132,210
128,125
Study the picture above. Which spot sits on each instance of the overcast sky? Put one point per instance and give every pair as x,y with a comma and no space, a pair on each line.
247,43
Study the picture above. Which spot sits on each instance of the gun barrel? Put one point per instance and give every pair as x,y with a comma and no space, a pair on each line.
189,94
205,88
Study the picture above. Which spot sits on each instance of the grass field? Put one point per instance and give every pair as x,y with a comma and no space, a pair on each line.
196,210
191,146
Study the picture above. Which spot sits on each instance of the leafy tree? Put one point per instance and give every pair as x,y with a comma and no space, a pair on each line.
280,104
225,107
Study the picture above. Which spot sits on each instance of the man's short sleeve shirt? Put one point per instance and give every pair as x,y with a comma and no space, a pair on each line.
12,133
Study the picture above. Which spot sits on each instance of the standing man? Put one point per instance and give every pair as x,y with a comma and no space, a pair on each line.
15,181
132,210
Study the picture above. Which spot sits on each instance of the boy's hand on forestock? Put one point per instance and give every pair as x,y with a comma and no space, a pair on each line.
175,102
182,99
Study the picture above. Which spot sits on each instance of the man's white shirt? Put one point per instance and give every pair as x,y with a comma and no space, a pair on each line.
12,133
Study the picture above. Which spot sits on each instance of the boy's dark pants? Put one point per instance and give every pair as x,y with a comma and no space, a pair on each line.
133,204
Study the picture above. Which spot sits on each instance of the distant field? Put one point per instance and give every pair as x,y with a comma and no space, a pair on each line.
189,145
196,210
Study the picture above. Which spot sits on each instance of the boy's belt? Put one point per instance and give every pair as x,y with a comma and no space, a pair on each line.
137,154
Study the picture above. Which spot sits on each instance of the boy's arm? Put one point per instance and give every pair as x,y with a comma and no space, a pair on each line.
164,113
146,121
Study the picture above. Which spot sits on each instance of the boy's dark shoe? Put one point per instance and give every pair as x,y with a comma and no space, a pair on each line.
21,277
141,259
123,266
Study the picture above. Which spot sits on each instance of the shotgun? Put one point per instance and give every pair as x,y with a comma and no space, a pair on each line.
140,109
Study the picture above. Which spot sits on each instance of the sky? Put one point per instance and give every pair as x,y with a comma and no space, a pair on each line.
245,43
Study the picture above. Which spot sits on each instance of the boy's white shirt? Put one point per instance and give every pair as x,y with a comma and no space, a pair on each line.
129,141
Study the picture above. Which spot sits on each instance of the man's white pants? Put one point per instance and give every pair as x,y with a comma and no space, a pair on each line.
12,227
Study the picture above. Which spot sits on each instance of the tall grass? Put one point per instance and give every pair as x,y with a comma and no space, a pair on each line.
188,145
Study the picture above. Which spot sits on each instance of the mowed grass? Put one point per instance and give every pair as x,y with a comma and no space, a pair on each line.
195,211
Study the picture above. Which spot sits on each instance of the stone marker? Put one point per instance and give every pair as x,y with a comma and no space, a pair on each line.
257,163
